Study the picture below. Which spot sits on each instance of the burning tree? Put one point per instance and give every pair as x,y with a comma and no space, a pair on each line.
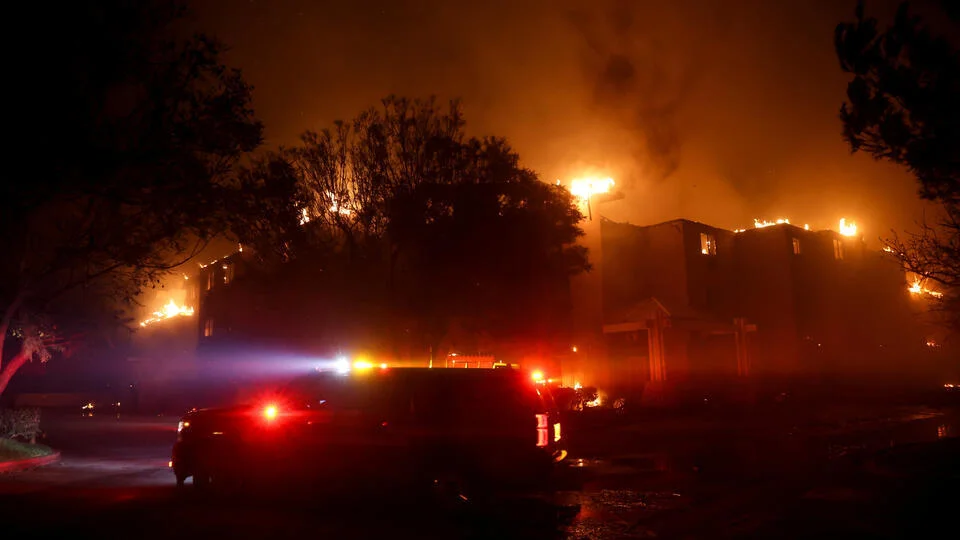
135,178
904,106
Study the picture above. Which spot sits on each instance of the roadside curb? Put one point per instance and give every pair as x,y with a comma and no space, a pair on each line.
29,463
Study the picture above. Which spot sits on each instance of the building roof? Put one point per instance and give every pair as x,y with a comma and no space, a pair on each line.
647,308
749,230
681,316
677,221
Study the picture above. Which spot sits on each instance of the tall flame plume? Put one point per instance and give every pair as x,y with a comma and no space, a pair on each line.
584,188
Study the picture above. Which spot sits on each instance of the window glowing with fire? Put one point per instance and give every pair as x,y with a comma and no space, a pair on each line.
208,328
708,244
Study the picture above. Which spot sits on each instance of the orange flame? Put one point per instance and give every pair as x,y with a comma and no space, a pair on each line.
917,288
761,224
584,188
847,229
169,311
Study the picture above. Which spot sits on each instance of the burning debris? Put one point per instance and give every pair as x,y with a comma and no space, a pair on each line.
762,223
169,311
916,288
845,229
758,224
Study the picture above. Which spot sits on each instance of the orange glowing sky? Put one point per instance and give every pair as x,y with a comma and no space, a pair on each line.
719,111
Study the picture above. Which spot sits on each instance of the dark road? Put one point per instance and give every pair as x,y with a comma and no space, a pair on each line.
689,477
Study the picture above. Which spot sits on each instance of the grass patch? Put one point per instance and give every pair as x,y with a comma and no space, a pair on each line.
11,450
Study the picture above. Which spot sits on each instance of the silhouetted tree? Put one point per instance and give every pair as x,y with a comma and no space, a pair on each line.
266,207
491,251
135,177
420,226
904,106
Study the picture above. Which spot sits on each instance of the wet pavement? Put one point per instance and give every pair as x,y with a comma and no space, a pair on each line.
850,472
851,469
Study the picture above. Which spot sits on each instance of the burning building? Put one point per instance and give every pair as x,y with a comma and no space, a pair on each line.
162,353
227,308
244,306
683,301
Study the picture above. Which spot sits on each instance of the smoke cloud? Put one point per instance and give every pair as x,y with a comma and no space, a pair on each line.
718,111
635,84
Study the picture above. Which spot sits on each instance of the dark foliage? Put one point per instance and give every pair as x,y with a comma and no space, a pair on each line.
140,127
22,424
412,228
903,105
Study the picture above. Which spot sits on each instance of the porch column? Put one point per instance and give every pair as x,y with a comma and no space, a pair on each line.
655,326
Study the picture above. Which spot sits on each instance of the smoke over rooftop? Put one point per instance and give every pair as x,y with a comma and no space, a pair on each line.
720,112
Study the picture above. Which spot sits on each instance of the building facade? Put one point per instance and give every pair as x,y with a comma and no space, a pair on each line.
685,301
